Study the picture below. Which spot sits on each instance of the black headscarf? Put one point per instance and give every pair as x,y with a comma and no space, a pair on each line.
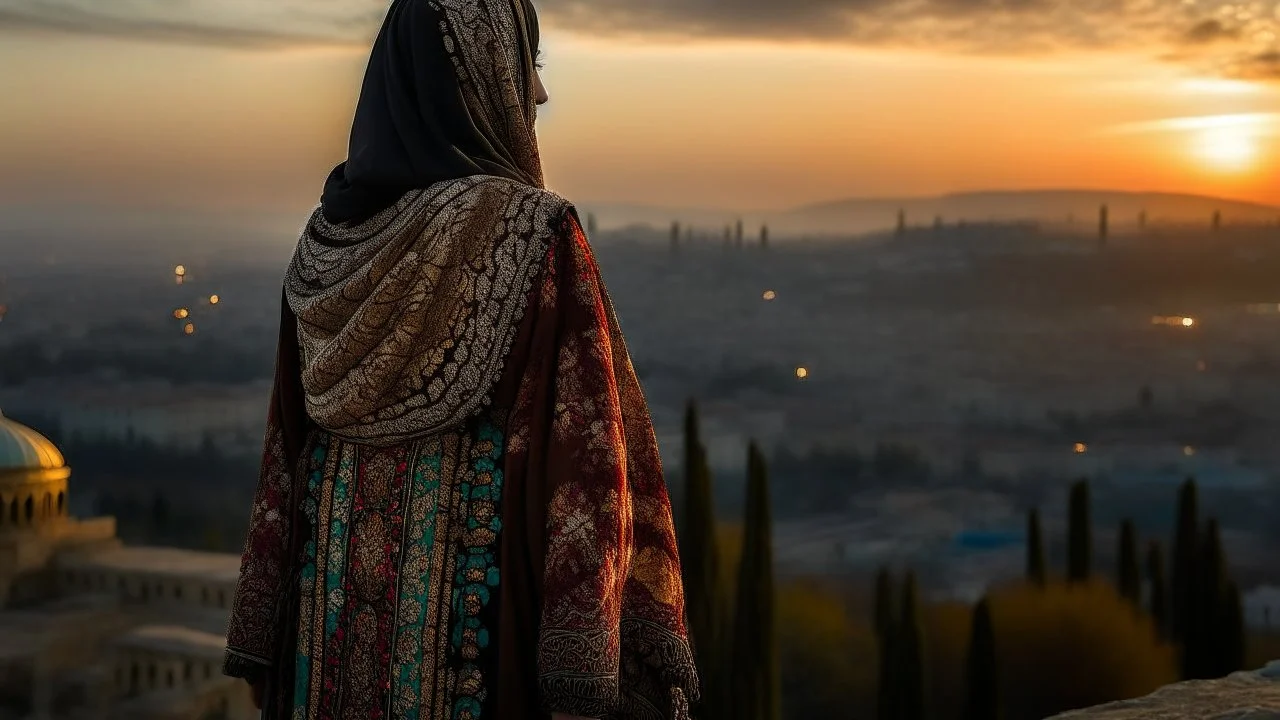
421,119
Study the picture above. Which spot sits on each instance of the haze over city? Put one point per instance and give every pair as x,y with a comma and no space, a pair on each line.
988,286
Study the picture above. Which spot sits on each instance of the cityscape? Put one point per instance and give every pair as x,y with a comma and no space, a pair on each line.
957,324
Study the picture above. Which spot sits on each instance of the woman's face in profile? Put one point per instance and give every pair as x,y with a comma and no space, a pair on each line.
539,90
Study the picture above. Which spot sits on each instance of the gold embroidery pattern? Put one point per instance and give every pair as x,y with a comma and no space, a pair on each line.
252,631
405,321
613,642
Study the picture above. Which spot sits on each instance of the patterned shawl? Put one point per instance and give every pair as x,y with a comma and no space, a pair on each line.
404,324
404,319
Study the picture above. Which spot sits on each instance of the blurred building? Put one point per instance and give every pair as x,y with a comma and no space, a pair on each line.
230,416
90,628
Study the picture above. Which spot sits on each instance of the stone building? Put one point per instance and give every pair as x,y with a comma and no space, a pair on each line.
91,628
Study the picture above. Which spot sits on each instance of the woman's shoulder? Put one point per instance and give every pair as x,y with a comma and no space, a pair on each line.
550,207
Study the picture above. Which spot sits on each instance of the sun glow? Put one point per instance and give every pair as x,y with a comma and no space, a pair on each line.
1227,147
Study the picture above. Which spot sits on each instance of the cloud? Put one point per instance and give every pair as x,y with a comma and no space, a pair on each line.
1210,31
238,23
1227,36
1215,35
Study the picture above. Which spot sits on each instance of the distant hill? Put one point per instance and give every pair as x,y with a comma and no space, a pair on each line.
862,215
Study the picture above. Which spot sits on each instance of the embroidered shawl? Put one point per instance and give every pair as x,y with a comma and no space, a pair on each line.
591,603
405,320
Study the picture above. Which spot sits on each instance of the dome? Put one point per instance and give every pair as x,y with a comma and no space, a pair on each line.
23,449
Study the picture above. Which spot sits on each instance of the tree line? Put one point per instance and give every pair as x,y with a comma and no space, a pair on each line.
731,611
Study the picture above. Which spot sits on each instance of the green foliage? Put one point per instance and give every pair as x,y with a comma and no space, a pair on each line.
982,701
1128,575
1185,549
700,565
1079,540
1037,573
754,678
1158,595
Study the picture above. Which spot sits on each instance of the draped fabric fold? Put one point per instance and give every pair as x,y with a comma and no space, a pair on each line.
461,512
530,563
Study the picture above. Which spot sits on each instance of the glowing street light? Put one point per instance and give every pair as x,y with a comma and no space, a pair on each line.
181,313
1080,448
180,271
802,372
189,329
770,295
214,299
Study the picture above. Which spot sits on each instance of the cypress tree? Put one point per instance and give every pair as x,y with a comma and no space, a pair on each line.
1231,631
1036,573
1158,599
699,558
1185,549
755,680
983,697
909,667
1079,542
885,620
1129,577
1202,648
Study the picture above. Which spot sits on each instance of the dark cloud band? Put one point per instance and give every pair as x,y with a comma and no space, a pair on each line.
1224,35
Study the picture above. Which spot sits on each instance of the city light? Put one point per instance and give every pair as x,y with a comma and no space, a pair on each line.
770,295
1080,448
180,271
189,329
1188,451
214,299
1174,321
181,313
802,372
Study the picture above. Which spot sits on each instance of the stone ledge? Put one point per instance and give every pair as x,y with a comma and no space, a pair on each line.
1251,695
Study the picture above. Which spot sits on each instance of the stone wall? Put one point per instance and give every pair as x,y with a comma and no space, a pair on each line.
1241,696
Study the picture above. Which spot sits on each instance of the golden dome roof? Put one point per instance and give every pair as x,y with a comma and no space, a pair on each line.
23,449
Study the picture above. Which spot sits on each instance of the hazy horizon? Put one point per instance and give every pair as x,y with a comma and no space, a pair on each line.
225,107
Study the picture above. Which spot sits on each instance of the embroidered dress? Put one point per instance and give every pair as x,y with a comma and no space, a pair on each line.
519,563
461,512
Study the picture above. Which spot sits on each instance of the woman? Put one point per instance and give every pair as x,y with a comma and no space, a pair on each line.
461,512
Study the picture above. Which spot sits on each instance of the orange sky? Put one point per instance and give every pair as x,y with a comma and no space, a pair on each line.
747,124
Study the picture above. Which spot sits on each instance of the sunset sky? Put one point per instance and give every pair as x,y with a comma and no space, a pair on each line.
225,105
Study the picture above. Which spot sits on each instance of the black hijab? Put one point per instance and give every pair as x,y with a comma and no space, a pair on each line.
422,118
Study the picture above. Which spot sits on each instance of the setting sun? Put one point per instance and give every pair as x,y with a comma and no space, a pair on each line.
1227,147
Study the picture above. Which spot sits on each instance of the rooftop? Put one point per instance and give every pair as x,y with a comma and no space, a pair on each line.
22,448
171,562
174,639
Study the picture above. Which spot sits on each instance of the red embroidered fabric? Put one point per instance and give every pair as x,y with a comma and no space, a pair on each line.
590,603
